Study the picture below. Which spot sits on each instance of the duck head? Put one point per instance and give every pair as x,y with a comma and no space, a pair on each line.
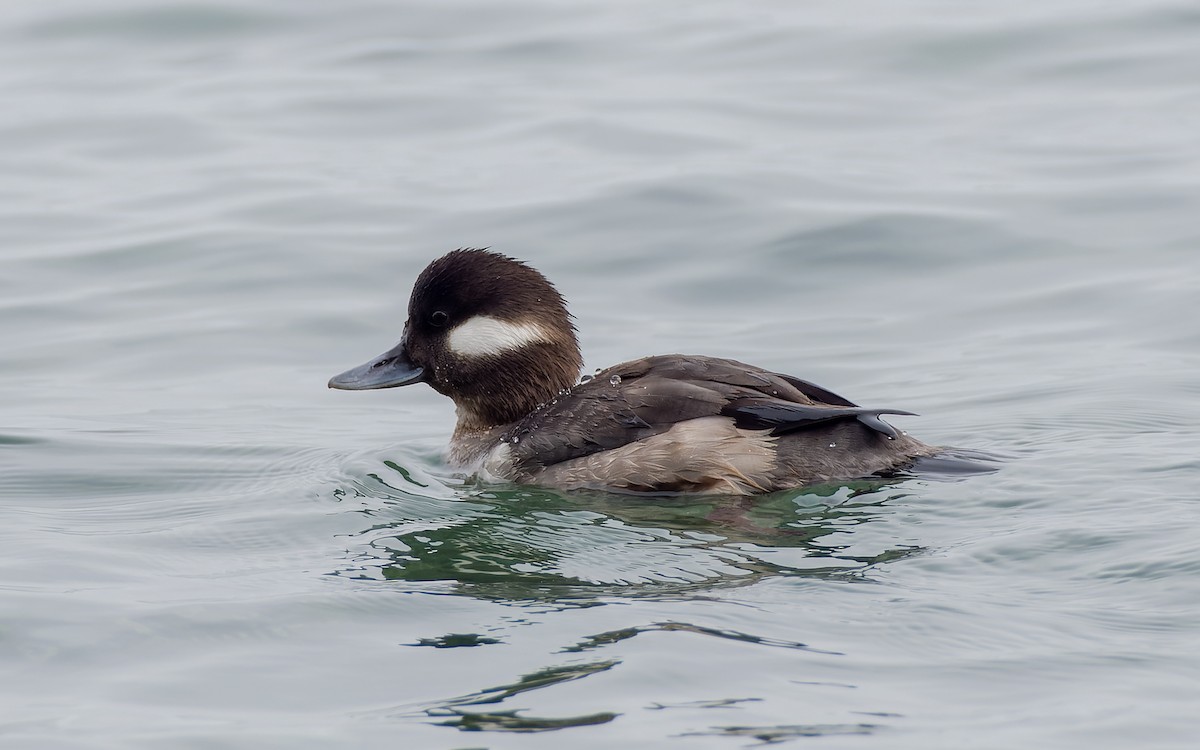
486,330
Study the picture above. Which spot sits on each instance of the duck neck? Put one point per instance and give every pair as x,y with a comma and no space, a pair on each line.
509,390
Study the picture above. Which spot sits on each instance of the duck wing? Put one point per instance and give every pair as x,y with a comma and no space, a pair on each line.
646,397
781,417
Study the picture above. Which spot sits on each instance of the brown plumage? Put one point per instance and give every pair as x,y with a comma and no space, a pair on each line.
682,423
494,335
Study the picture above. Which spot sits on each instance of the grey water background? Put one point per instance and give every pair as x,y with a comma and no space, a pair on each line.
987,214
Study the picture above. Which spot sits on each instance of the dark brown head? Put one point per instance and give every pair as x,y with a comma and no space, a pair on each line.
484,329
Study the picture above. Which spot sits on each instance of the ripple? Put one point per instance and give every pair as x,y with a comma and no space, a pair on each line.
19,440
784,732
510,721
540,545
989,219
458,640
164,24
616,636
465,718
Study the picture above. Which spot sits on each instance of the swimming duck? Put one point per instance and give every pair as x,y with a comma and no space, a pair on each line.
494,335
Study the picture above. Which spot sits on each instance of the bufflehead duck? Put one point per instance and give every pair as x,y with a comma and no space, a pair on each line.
494,335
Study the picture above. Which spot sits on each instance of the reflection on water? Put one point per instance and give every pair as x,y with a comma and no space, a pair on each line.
522,545
511,543
987,219
616,636
461,712
470,720
782,733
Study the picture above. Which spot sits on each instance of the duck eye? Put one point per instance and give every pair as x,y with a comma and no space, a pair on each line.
439,318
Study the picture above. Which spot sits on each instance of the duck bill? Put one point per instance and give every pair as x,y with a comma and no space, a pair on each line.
389,370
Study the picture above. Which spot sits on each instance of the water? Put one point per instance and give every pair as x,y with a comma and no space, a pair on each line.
986,216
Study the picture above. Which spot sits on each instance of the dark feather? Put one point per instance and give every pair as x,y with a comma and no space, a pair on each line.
646,397
782,417
817,393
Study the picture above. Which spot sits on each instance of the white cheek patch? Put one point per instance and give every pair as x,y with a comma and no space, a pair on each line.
482,336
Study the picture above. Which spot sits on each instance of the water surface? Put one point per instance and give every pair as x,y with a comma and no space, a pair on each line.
987,217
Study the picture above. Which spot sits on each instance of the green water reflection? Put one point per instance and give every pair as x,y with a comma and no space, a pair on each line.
521,543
